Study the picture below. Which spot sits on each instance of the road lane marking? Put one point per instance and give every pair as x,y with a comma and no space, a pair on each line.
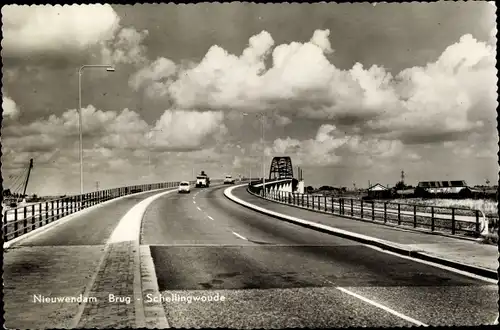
346,234
210,217
70,217
385,308
198,208
238,235
450,269
129,227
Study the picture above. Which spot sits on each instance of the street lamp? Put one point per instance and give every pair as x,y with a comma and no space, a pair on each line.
261,116
109,68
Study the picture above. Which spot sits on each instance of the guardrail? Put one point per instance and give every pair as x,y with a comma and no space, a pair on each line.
21,220
457,221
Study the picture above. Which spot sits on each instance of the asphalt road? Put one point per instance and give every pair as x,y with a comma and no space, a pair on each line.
276,274
94,227
59,262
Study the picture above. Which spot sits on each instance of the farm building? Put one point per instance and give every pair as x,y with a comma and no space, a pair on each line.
456,188
378,191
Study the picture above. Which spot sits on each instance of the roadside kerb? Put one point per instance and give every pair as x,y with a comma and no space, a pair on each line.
125,239
74,215
377,221
383,244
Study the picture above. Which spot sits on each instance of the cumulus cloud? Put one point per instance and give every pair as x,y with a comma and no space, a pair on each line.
109,135
77,27
156,75
179,129
331,146
73,30
452,96
319,151
282,120
125,48
9,108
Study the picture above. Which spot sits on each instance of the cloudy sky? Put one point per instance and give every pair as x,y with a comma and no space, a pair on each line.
352,92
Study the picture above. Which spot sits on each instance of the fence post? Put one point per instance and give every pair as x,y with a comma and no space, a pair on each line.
302,200
46,212
352,207
25,221
312,202
385,212
477,223
52,210
453,221
40,216
16,225
399,214
333,204
67,205
373,211
58,210
33,217
307,201
361,209
414,216
432,218
326,208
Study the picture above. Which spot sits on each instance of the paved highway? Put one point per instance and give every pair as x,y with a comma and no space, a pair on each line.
270,273
276,274
59,262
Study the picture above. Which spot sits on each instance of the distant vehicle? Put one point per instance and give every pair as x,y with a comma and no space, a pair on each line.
228,179
202,180
184,187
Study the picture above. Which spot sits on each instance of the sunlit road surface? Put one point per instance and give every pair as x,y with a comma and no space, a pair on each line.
275,274
59,262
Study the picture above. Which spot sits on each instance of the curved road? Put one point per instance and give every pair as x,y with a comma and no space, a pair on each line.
61,262
276,274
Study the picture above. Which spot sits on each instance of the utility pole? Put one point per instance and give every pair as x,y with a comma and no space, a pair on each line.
403,177
97,185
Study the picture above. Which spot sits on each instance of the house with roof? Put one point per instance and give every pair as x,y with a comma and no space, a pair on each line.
378,191
456,188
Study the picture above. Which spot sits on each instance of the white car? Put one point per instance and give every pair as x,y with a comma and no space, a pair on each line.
184,187
228,179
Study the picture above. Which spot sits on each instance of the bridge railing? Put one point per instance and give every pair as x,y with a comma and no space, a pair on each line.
456,221
23,219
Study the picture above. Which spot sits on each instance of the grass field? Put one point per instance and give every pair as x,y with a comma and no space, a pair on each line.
489,207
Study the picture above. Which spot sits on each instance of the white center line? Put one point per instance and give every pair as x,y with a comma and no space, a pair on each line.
385,308
198,208
210,217
238,235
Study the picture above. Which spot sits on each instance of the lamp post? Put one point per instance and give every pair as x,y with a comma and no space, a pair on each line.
261,116
109,68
